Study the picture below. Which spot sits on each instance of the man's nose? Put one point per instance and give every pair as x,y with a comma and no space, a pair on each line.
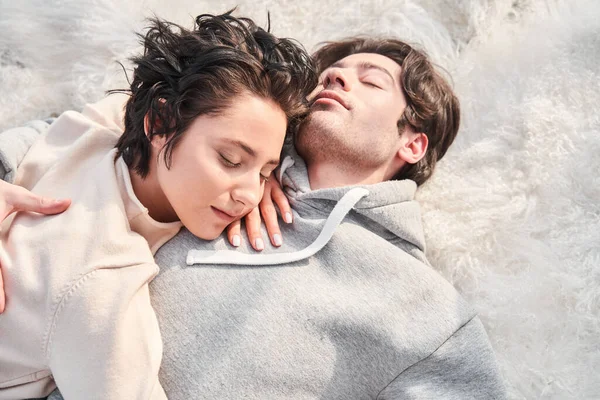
248,192
336,77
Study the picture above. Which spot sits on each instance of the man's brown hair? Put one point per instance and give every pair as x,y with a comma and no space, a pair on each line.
432,108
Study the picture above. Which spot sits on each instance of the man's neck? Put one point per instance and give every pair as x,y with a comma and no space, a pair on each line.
322,175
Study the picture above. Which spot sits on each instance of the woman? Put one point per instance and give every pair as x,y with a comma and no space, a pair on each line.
205,120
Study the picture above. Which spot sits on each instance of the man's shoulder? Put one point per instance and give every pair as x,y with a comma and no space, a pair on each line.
347,311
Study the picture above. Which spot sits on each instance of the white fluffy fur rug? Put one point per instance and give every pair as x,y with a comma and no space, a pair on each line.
512,215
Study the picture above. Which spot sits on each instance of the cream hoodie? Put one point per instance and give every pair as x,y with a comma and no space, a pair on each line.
78,310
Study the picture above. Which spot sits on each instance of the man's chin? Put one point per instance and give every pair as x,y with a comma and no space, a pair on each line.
321,121
320,110
319,125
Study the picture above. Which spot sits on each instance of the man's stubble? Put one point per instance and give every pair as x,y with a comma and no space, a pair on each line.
324,138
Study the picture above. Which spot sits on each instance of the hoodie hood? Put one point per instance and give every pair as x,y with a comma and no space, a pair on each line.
387,209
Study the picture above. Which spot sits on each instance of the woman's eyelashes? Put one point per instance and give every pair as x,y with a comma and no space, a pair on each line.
228,163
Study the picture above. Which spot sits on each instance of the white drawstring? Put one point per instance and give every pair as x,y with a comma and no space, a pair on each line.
341,209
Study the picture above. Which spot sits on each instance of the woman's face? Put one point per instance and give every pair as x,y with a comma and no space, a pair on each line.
219,166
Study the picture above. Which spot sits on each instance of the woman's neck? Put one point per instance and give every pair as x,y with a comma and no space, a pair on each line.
150,194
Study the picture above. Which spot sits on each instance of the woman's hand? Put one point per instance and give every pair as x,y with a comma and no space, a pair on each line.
272,196
14,198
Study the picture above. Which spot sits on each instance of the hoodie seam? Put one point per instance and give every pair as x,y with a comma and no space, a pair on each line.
57,312
426,357
63,302
24,379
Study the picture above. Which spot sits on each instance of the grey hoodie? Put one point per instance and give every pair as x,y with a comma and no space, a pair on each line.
347,308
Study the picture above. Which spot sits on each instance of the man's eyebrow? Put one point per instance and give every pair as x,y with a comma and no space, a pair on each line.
368,65
364,65
248,149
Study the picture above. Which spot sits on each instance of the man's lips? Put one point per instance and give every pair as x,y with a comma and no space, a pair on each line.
329,95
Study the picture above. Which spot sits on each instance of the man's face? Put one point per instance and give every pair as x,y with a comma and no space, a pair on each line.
357,105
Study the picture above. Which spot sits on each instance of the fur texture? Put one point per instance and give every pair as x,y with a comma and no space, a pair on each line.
512,214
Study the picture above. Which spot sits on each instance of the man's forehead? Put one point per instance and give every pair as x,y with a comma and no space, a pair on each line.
370,59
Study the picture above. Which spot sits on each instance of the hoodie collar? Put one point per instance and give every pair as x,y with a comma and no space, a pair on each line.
389,204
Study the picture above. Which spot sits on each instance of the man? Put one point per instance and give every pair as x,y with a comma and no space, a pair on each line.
348,307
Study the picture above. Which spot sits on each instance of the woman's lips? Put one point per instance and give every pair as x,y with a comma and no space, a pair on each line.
223,215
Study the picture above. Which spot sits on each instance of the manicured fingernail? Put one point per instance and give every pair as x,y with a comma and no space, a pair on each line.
56,202
236,240
288,217
277,239
259,244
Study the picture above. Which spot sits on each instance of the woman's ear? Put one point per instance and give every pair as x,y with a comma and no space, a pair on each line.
157,141
413,147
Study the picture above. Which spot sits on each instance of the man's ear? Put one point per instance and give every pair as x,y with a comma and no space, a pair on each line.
413,147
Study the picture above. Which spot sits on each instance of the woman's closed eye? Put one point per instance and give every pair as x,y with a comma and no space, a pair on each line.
265,178
266,173
228,163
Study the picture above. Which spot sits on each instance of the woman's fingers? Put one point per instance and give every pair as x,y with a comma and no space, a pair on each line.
279,197
233,233
266,212
42,205
274,196
15,198
253,229
269,215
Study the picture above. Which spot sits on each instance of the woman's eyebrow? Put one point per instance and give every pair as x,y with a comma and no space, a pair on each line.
249,150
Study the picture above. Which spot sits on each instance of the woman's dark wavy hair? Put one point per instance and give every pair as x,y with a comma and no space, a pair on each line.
432,107
183,74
